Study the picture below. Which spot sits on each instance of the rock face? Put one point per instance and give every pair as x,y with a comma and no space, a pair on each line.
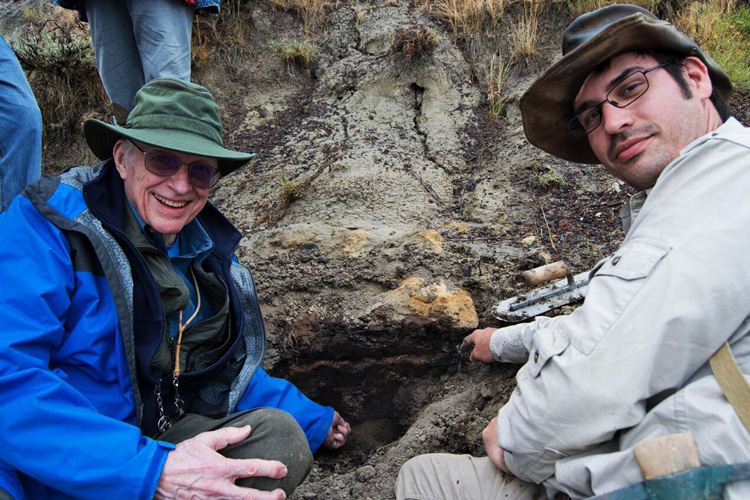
386,212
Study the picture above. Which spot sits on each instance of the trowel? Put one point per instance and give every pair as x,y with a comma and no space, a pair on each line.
570,289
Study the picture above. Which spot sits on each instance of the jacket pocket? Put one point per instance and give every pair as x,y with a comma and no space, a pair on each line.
547,343
614,284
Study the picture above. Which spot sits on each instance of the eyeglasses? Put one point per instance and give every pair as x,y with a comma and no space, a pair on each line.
625,93
166,164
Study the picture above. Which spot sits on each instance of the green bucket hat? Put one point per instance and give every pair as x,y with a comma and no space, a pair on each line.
170,114
593,38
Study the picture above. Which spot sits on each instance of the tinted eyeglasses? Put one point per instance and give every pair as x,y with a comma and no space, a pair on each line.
165,164
625,93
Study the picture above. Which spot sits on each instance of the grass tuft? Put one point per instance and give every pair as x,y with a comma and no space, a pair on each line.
548,179
299,52
291,190
496,80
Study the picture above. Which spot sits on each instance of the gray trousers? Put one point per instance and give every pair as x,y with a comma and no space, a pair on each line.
441,476
136,41
275,435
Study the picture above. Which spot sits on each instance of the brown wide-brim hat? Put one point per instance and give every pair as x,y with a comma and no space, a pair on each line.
170,114
590,40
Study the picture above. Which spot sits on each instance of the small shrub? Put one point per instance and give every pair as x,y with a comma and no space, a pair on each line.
59,60
548,179
291,189
299,52
413,42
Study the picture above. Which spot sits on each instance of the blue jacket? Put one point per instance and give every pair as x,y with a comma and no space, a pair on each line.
75,291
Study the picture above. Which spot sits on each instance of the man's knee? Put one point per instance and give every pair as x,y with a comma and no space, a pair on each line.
275,435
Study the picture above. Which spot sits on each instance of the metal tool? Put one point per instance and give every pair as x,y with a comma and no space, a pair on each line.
456,358
566,291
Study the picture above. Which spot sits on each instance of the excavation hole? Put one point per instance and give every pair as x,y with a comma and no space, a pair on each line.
380,397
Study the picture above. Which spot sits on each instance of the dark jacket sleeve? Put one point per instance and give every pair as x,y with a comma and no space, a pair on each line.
265,391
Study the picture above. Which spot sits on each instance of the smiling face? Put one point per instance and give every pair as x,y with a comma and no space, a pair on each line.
167,204
637,142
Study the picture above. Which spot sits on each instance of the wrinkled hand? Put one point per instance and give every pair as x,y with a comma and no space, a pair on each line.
338,432
494,452
195,470
480,341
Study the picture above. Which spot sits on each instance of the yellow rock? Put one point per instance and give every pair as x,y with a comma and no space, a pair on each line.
431,240
433,301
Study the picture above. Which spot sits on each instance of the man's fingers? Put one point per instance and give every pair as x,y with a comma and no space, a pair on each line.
221,438
277,494
467,343
256,467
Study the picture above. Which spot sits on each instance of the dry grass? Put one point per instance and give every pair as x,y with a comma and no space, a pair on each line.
525,31
465,17
312,12
578,7
221,37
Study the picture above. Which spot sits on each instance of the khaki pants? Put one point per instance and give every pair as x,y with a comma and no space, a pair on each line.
460,477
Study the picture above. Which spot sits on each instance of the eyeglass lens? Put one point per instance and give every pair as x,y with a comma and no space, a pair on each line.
624,94
164,164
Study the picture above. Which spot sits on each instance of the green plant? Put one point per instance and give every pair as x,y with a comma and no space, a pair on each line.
496,80
548,179
300,52
291,189
714,26
413,42
59,60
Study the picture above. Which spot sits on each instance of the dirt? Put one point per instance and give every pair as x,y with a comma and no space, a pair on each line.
373,168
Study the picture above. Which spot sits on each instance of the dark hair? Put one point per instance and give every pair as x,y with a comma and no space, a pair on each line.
675,70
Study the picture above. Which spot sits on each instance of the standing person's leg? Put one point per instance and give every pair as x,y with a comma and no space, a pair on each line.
20,129
163,29
274,435
117,55
441,476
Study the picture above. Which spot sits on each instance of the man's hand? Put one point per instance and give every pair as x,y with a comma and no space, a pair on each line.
480,340
195,470
494,452
338,432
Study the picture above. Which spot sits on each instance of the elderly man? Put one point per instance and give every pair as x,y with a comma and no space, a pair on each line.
128,327
632,363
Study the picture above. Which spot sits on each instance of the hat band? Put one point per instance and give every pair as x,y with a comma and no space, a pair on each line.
182,124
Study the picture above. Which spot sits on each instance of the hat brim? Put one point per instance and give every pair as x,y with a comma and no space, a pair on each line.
547,106
101,138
